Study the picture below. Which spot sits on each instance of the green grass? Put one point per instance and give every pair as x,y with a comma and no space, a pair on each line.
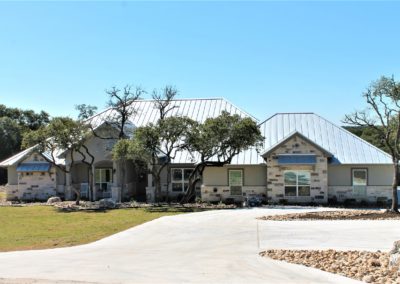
40,227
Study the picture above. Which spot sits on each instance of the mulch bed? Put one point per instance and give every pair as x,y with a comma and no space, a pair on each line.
370,267
336,215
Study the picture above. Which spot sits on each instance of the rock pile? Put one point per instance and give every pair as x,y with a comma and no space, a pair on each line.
370,267
336,215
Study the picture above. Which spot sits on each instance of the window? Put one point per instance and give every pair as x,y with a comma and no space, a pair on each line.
359,181
235,181
103,178
180,179
297,183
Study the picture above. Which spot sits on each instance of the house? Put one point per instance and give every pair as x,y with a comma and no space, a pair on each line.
304,159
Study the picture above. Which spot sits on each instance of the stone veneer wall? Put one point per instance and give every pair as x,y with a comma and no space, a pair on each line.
373,195
221,193
318,172
33,187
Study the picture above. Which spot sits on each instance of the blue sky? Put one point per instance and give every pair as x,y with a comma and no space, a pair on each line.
265,57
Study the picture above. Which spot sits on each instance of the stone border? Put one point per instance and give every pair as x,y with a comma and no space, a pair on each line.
335,215
370,267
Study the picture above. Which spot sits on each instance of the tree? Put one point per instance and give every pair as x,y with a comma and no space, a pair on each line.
27,119
383,115
85,111
121,102
217,141
10,137
15,123
156,145
63,135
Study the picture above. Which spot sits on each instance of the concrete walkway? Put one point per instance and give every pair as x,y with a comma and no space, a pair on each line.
207,247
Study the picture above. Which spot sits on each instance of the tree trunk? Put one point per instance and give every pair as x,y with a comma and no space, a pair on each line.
157,184
91,183
196,176
78,196
395,206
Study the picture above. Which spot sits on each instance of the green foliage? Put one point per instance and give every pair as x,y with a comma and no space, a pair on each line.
223,137
61,133
150,142
10,137
14,123
85,111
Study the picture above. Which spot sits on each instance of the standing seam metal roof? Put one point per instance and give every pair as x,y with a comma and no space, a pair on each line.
346,147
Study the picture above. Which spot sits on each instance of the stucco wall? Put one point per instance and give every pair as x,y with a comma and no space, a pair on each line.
12,175
318,172
99,148
378,175
252,175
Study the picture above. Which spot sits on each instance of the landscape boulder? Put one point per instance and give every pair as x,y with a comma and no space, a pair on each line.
107,203
394,260
54,199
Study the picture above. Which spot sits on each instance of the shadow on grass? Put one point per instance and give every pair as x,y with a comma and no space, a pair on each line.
153,209
165,209
88,210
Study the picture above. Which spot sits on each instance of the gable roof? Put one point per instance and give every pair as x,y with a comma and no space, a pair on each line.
19,157
345,147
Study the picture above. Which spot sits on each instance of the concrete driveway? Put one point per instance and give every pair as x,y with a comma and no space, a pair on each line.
207,247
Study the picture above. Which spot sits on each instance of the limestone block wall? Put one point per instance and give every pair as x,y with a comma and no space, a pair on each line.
318,173
34,186
373,193
221,193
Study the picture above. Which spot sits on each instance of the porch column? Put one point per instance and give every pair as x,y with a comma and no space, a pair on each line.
117,180
94,190
68,189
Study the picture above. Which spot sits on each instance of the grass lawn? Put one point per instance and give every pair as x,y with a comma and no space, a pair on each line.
39,227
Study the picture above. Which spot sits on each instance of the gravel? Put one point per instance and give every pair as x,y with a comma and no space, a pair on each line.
370,267
336,215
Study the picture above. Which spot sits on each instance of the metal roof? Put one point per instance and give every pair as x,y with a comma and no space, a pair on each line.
34,167
19,157
345,147
196,109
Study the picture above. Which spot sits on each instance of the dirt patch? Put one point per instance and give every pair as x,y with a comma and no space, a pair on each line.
370,267
336,215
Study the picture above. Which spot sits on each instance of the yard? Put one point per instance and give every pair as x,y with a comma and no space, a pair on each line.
40,227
